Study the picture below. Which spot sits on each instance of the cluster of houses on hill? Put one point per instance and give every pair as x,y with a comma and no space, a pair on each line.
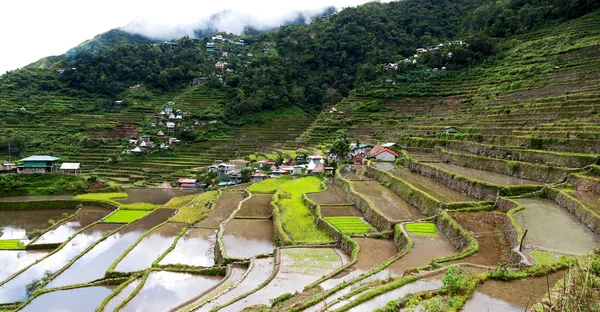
413,60
41,164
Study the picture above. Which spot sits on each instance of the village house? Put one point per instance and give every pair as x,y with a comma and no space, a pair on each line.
210,47
318,169
257,177
174,140
385,155
187,184
9,166
38,164
221,65
170,126
70,168
449,129
170,45
277,173
361,148
160,133
265,164
297,170
145,138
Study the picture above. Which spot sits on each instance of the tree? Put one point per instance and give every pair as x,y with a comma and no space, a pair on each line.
341,148
279,160
247,174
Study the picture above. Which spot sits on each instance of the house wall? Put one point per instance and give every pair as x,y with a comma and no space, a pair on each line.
385,156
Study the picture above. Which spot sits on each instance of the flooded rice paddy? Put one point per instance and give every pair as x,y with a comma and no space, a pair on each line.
224,207
76,300
386,201
259,271
149,248
340,211
510,296
299,267
236,272
333,195
435,189
11,261
553,228
246,238
163,291
157,196
93,264
86,216
258,206
381,300
485,176
122,295
195,247
14,290
15,224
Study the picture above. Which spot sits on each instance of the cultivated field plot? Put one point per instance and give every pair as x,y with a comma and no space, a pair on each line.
259,206
349,225
386,201
485,176
332,196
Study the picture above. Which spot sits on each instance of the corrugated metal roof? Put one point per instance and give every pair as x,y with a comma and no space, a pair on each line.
70,166
40,158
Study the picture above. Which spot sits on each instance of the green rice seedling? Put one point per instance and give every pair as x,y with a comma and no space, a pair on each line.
422,229
125,216
349,225
11,244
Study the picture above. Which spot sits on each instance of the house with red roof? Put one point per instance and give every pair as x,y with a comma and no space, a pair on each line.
188,184
385,154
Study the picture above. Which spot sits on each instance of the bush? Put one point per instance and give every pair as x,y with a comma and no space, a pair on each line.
454,281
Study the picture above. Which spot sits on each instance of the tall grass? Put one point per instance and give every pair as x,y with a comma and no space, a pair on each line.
195,211
110,197
269,186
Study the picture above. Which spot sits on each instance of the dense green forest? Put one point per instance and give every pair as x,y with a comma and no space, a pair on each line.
301,65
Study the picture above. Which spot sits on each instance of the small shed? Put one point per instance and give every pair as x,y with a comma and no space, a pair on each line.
160,133
187,184
70,168
450,129
258,177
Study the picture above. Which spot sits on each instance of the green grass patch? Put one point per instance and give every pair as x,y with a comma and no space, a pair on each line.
542,257
349,225
196,211
110,197
125,216
297,220
269,186
41,184
11,244
422,229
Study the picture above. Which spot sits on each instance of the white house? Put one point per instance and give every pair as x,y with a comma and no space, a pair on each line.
386,154
297,169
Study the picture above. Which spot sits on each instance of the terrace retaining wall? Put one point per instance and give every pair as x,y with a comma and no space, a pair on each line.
370,213
423,201
559,160
583,214
521,170
584,183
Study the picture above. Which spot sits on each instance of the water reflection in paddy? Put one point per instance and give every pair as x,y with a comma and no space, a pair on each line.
195,247
94,263
86,216
76,300
16,224
11,261
14,290
165,290
122,295
149,248
244,238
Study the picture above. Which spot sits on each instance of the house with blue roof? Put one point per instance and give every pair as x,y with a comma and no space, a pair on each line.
38,164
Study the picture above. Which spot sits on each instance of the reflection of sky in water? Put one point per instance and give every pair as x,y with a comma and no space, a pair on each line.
14,290
60,234
12,261
195,247
9,232
481,302
165,290
122,295
149,249
76,300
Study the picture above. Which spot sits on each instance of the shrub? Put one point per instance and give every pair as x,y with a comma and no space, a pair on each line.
512,165
34,234
454,281
33,285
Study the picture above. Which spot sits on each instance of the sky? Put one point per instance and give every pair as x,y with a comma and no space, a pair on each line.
32,29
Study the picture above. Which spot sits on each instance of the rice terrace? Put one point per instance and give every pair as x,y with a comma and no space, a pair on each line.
394,156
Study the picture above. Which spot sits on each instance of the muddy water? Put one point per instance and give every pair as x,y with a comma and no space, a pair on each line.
235,275
16,224
295,273
224,207
76,300
150,248
122,295
386,201
14,290
94,263
165,290
332,196
86,216
244,238
11,261
381,300
195,247
513,295
424,249
486,176
339,211
157,196
487,229
257,206
260,271
372,253
435,189
553,228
